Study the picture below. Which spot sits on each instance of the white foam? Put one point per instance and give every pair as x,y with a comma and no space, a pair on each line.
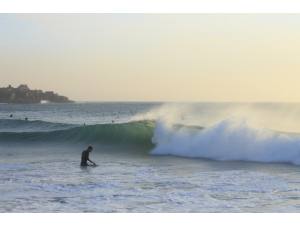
227,140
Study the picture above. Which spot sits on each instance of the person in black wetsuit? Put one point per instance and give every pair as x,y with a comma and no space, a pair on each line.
85,157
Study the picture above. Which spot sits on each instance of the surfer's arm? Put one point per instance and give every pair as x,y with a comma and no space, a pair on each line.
91,161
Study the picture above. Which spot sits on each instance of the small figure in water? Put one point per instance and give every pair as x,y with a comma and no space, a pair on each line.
26,118
85,157
11,115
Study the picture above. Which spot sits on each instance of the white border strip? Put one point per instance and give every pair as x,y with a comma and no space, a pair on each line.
150,219
150,6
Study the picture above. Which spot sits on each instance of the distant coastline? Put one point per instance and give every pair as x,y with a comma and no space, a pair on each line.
24,95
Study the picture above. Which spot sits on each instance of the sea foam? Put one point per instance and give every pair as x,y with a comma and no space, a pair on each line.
227,140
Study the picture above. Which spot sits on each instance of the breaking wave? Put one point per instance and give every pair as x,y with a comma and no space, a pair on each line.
228,140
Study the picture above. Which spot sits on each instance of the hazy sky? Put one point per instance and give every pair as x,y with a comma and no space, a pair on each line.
144,57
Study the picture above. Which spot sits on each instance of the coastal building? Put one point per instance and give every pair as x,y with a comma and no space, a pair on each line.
24,95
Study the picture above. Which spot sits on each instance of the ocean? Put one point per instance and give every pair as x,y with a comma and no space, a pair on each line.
152,157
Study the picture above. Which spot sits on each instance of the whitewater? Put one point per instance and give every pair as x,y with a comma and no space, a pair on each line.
152,157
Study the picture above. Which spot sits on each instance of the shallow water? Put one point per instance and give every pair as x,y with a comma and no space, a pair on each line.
130,183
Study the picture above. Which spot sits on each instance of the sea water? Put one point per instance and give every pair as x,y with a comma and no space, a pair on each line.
152,157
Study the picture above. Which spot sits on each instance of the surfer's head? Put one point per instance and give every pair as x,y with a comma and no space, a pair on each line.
90,148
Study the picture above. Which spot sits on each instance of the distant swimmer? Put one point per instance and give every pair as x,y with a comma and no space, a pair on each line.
85,157
11,115
26,118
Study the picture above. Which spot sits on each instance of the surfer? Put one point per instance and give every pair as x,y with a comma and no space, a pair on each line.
85,157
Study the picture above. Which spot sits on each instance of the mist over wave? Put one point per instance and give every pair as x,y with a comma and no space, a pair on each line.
274,116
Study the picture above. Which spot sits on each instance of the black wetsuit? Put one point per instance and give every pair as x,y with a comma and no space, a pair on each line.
84,158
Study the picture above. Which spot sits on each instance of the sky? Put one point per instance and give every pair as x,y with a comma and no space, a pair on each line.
154,57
